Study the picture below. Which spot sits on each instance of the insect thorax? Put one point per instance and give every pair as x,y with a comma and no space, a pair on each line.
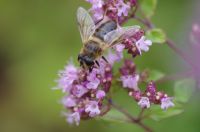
92,49
105,28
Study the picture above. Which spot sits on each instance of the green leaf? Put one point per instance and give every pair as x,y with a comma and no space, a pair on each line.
160,114
157,114
148,7
156,35
155,75
114,116
183,90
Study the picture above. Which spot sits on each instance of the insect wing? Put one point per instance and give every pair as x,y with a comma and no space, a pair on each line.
85,24
117,36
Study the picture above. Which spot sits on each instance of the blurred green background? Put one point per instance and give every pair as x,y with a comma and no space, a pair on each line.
37,37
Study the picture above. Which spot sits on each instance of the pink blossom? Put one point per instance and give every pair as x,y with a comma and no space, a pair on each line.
96,4
97,14
73,118
100,94
119,47
166,103
96,9
143,44
133,2
113,57
123,8
151,91
93,84
130,81
102,66
67,77
79,90
69,101
144,102
93,80
92,108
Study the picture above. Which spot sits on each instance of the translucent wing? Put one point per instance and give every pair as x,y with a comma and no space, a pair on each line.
85,24
116,36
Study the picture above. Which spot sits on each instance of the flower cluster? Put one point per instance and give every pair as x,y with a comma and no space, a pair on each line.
130,80
85,91
151,96
115,9
134,44
119,10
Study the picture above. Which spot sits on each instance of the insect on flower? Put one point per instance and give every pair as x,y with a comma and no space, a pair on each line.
96,38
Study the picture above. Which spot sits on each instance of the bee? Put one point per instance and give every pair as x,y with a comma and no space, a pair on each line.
96,38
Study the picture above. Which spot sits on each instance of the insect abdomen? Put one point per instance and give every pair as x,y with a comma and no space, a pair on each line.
104,29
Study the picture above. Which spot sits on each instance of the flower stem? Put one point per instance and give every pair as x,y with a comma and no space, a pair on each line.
130,117
171,44
175,76
140,115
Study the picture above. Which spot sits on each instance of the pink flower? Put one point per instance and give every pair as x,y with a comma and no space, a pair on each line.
92,108
166,103
123,8
100,94
97,14
130,81
79,90
128,68
143,44
73,118
92,75
113,57
93,84
69,101
133,2
136,94
96,4
144,102
97,9
151,91
67,77
102,64
93,80
119,47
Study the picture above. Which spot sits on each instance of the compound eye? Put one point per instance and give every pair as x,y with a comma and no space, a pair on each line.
89,61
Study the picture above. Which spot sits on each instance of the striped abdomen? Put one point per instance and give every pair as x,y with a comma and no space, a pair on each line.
105,28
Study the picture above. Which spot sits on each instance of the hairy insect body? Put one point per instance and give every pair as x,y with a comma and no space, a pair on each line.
97,38
92,49
95,45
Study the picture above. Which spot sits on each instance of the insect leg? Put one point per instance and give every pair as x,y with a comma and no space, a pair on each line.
90,69
104,59
97,63
101,18
117,21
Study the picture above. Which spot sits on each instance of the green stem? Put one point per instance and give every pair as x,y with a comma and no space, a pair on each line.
171,44
176,76
130,117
